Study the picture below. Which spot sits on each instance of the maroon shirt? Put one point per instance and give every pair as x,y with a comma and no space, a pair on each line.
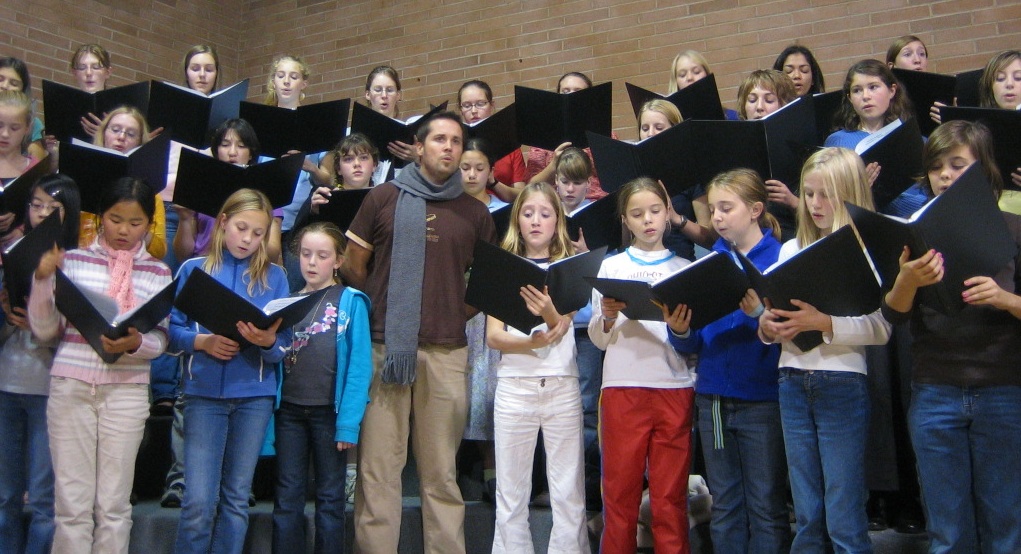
452,229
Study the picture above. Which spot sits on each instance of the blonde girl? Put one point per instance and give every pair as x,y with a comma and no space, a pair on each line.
230,390
824,399
537,389
645,414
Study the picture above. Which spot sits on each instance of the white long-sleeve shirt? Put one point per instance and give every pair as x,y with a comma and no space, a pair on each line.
638,353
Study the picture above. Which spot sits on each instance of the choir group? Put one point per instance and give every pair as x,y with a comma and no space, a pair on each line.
126,277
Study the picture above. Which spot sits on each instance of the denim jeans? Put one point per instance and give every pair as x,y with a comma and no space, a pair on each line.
222,440
747,476
968,445
300,431
25,466
825,422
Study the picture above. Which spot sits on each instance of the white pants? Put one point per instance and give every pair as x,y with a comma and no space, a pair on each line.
94,437
523,405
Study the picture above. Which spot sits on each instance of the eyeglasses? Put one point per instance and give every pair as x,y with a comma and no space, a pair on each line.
380,90
480,105
46,209
118,130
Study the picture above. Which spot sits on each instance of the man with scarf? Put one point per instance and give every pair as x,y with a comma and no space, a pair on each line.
408,249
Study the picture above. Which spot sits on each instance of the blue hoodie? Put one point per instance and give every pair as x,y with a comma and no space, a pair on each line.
732,361
250,372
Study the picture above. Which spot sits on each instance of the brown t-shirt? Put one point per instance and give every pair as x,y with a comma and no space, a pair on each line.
452,228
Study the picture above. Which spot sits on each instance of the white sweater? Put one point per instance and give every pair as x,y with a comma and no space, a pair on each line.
844,349
638,353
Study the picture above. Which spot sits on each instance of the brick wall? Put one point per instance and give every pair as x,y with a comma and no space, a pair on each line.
438,45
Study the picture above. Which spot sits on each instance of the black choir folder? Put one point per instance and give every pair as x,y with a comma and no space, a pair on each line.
66,106
964,224
95,315
924,89
897,148
548,119
1005,126
834,274
189,116
382,130
826,106
342,207
711,287
93,168
699,100
497,277
219,309
695,151
599,222
311,128
21,259
204,182
500,132
14,196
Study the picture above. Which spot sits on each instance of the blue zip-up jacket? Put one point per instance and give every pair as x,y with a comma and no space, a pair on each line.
732,361
250,372
354,365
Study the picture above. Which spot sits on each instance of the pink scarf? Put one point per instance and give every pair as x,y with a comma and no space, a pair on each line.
121,265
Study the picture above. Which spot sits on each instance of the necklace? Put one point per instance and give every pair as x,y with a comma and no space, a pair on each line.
292,355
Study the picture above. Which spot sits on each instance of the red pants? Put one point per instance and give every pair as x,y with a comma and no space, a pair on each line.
639,428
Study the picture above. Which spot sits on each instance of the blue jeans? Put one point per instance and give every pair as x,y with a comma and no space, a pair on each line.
968,445
25,466
825,418
222,440
301,430
747,476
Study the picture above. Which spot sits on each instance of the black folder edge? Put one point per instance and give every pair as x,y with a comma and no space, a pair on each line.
216,108
148,162
700,100
80,313
22,259
216,316
899,155
382,129
1004,125
194,165
342,207
562,117
500,131
924,88
66,105
310,128
14,197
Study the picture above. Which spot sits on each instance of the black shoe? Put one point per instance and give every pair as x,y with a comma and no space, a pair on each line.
876,509
911,521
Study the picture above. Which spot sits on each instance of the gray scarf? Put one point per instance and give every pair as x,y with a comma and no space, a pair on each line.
407,269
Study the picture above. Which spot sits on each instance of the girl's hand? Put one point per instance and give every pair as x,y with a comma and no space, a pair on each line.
767,323
750,304
48,264
780,193
805,318
560,150
90,123
542,339
217,346
51,144
319,197
17,317
984,291
926,270
264,338
309,165
403,151
5,221
579,245
611,307
128,343
342,446
678,320
872,171
539,303
1015,177
934,112
155,132
184,214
